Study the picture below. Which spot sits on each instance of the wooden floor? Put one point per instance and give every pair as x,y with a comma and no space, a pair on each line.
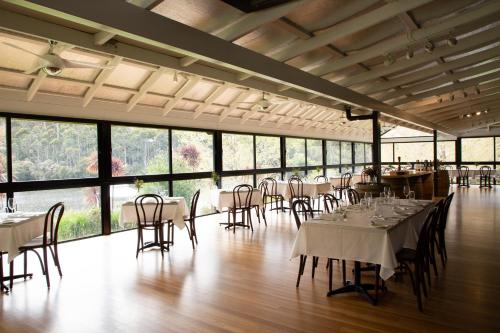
246,283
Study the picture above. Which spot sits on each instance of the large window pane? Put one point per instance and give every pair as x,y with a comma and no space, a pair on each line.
477,149
128,192
268,152
295,152
237,152
192,151
314,152
387,152
187,188
332,152
497,148
446,151
139,151
368,153
346,153
228,183
359,153
47,150
332,172
82,213
3,150
413,151
261,176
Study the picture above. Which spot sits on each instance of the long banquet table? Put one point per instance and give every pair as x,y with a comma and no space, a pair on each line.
356,238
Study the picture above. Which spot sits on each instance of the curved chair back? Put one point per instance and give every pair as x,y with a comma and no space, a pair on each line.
264,188
296,187
444,216
272,186
485,171
364,177
353,196
345,180
194,204
149,209
242,196
463,171
321,179
301,206
329,202
51,224
423,238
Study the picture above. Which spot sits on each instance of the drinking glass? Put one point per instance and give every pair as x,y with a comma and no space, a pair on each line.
11,204
406,191
387,189
368,199
411,195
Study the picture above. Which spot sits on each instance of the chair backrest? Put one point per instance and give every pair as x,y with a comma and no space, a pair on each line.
264,188
433,224
296,187
194,204
329,201
463,171
149,209
51,223
242,196
345,179
321,179
364,177
423,237
353,196
301,206
485,171
444,216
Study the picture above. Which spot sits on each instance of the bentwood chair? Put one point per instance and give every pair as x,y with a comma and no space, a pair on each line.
441,228
417,258
269,189
190,221
330,202
321,179
485,176
296,189
463,176
345,181
242,203
46,242
149,210
353,196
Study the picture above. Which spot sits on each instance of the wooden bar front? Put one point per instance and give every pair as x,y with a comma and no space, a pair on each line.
420,182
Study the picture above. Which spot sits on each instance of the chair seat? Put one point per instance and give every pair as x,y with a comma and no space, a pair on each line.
406,254
34,243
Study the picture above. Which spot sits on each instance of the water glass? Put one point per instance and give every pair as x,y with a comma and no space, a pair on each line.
11,205
406,191
411,195
378,210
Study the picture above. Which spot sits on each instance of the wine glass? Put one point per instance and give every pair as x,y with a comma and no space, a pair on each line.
387,190
411,195
406,191
11,205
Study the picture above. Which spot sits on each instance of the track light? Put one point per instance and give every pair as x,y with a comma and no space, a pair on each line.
409,53
478,113
486,111
389,59
478,92
452,97
468,115
452,41
429,46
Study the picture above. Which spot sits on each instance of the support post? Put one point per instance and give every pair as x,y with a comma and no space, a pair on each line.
377,146
436,174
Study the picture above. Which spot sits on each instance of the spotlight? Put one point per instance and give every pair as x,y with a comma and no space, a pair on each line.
478,113
389,59
429,46
452,41
468,115
409,53
486,111
477,90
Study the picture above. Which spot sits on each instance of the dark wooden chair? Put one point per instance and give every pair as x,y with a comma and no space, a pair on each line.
46,242
485,176
149,210
345,183
321,179
463,176
296,189
417,258
271,187
330,202
441,228
190,221
242,203
353,196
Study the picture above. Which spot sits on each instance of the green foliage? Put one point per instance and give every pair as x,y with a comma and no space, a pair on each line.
75,224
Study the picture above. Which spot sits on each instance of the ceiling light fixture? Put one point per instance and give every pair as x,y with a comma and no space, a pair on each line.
486,111
468,115
477,90
389,59
409,53
429,46
478,113
452,41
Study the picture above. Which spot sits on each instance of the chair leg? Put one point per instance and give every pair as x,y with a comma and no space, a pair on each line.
56,256
417,291
329,265
314,265
190,234
11,270
138,241
46,264
302,264
162,240
264,216
249,212
25,255
56,263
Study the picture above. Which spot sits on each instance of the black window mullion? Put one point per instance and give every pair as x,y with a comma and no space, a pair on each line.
170,164
105,174
8,142
218,155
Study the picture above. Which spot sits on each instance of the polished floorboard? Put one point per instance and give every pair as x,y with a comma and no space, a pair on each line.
245,282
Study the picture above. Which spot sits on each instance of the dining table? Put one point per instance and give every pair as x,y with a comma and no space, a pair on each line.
473,173
310,189
16,229
356,233
223,198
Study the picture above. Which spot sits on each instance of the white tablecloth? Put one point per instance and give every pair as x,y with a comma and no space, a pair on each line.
16,229
356,239
222,198
335,181
309,189
473,173
174,208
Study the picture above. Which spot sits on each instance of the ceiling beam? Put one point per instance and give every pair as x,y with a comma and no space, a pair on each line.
143,90
186,87
463,102
233,105
274,111
35,85
347,28
100,79
219,90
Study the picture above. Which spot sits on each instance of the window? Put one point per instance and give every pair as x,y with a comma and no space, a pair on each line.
346,153
314,152
368,153
3,152
187,188
333,172
477,149
295,152
497,148
237,152
446,151
332,152
387,152
48,150
119,194
413,151
359,153
192,151
228,183
268,152
82,213
261,176
139,151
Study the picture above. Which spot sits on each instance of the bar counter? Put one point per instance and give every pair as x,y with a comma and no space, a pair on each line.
421,182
